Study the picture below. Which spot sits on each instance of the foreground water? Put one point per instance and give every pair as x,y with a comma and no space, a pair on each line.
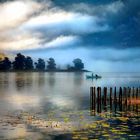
57,106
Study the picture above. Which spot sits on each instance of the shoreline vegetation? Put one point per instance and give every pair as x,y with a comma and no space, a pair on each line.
59,70
23,63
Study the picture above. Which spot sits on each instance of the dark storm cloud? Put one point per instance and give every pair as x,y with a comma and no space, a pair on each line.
65,3
2,1
124,22
121,16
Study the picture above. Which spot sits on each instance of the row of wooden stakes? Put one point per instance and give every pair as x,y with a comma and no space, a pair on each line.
123,97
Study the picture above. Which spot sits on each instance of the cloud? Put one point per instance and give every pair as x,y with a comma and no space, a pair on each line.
18,45
27,42
61,22
100,9
31,25
123,18
16,13
62,41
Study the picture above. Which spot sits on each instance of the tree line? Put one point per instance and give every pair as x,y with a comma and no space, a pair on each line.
26,63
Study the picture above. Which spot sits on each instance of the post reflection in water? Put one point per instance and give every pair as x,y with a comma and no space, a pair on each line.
127,101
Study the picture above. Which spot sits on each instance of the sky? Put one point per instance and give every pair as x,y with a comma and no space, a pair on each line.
103,33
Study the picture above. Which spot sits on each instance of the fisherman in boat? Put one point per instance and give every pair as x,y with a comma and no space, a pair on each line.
92,76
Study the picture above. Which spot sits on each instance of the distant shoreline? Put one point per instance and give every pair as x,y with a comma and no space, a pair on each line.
49,71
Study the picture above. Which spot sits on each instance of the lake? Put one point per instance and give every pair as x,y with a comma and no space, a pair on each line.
57,106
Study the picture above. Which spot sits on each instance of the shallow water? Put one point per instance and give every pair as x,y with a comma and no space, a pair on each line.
57,106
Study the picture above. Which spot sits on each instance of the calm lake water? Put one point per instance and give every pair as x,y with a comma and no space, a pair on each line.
57,106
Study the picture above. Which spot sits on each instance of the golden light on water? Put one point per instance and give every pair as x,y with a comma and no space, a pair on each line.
20,101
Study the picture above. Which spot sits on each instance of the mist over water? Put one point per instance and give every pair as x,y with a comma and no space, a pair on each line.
60,93
64,90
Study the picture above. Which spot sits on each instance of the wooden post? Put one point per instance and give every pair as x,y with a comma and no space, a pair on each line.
120,95
133,93
125,92
105,98
115,100
94,99
133,97
125,98
115,96
120,99
137,93
91,98
110,98
130,90
129,98
98,99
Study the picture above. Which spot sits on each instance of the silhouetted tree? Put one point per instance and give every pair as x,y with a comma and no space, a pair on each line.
5,64
0,64
19,63
78,64
70,68
28,63
51,64
40,65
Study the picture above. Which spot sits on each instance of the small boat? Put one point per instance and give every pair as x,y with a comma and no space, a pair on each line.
93,76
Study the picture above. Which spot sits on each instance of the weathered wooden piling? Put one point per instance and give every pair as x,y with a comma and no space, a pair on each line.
110,98
133,92
129,98
99,99
115,96
120,95
94,98
130,95
120,98
105,98
128,92
100,103
125,99
91,98
137,93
